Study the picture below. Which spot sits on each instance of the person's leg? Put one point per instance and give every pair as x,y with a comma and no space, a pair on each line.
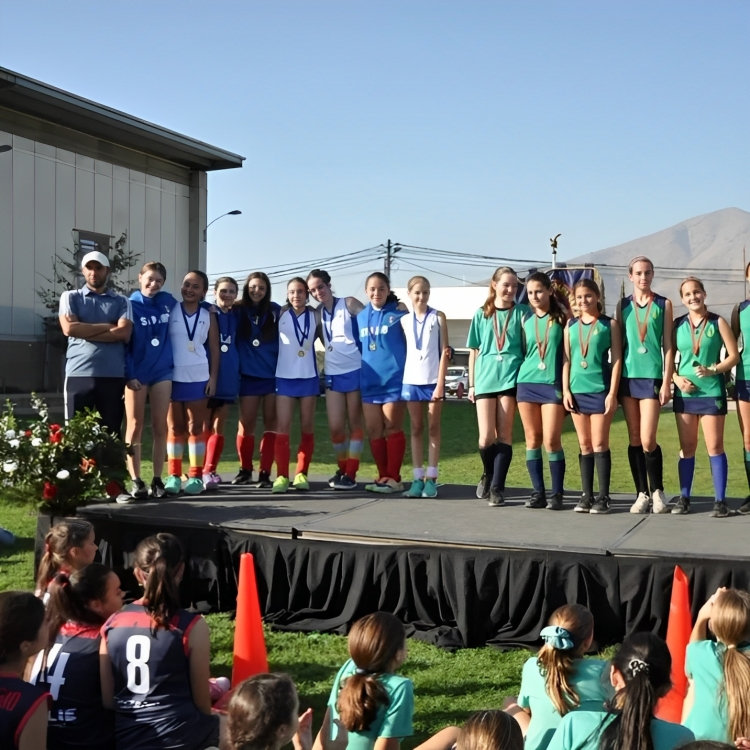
636,459
284,414
434,414
159,395
743,415
249,406
393,417
553,416
215,443
531,418
375,426
416,421
78,394
336,412
713,434
109,401
505,411
268,440
197,414
307,405
486,422
582,423
687,431
600,427
135,413
177,426
356,433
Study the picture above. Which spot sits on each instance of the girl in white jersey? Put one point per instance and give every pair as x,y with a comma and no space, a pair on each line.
343,363
296,380
427,356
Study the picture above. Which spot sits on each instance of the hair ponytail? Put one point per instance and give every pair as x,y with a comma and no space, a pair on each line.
60,539
556,312
489,304
159,558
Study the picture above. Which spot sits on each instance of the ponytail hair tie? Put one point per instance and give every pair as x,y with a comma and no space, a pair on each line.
361,671
557,637
731,645
636,666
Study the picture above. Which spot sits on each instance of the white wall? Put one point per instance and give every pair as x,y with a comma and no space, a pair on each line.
457,302
46,192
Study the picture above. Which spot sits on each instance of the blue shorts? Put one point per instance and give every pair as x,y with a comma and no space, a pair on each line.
250,386
298,387
345,382
382,398
188,391
742,390
640,388
703,405
417,392
152,379
590,403
539,393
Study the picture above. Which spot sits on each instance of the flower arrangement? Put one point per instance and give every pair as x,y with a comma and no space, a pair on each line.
62,467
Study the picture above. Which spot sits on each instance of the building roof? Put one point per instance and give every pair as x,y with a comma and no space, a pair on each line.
37,99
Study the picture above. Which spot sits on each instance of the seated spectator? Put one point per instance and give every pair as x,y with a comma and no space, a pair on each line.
68,546
490,730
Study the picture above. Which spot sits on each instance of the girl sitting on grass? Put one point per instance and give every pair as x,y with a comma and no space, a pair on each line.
69,546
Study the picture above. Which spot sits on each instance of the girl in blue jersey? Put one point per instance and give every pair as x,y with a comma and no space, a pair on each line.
228,384
383,346
148,372
155,657
79,605
258,347
741,330
23,707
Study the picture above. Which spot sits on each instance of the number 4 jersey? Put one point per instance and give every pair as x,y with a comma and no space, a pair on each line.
153,700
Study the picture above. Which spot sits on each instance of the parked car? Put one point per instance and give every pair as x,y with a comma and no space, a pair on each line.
457,381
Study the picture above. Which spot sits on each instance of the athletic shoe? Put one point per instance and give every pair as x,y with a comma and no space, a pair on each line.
280,485
386,486
496,498
483,488
537,500
721,509
300,483
138,490
335,478
416,489
681,507
660,504
430,488
744,509
264,481
345,483
584,505
157,487
211,480
601,505
555,502
244,476
642,504
194,486
173,485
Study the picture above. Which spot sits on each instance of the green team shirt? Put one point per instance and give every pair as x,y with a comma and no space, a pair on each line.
635,362
743,366
595,377
712,386
493,370
536,326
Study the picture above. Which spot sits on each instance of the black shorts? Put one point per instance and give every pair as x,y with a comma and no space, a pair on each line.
105,395
496,394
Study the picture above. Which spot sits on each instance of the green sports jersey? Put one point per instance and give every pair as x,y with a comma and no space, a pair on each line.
534,329
642,359
743,366
595,376
712,386
496,370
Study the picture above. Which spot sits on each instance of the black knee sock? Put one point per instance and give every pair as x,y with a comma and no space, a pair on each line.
603,463
655,469
487,455
503,457
586,462
637,461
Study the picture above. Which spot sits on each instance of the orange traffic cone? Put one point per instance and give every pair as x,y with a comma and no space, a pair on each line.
679,628
249,644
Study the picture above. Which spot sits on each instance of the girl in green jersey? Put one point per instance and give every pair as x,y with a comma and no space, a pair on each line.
645,386
591,375
741,330
700,393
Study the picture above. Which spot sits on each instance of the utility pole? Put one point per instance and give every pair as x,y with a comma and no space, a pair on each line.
553,242
387,262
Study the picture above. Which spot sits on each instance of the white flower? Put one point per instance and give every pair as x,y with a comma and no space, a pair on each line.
36,442
63,474
88,447
9,467
14,443
10,434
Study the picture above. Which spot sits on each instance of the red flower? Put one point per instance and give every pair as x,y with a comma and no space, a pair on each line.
50,491
56,437
113,488
55,428
87,464
27,433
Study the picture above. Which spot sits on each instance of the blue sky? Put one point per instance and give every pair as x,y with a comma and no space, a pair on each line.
471,126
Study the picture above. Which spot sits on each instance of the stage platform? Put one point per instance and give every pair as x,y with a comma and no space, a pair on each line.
459,572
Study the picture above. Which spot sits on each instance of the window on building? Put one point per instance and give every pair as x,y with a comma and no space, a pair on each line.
87,242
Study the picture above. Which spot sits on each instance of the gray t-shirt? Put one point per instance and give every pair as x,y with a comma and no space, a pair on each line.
89,358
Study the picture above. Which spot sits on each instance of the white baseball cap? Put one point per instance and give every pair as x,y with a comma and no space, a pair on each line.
97,256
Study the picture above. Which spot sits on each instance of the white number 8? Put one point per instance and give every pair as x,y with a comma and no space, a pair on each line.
137,651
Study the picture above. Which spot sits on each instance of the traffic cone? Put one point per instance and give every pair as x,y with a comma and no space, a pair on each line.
249,644
679,628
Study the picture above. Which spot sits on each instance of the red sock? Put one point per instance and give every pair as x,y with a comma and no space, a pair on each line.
205,437
282,454
245,450
380,454
305,452
396,444
214,447
174,467
267,451
356,441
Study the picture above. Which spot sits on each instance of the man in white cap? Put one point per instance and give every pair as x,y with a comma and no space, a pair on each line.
98,322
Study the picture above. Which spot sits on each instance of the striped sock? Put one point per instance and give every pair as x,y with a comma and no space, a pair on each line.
340,449
557,470
175,448
305,452
196,452
356,443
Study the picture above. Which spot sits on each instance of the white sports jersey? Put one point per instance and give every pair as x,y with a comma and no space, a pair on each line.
291,364
342,353
422,365
189,366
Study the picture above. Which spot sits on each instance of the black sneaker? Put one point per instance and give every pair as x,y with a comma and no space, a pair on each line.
157,488
496,498
138,489
345,482
335,478
264,481
555,502
537,500
721,510
744,509
681,506
483,487
244,476
601,505
584,505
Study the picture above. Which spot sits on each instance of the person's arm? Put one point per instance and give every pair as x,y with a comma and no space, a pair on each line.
354,306
119,333
616,356
302,739
387,743
568,402
735,321
34,734
444,359
199,643
618,310
700,629
472,363
214,349
106,676
668,347
73,328
687,704
445,739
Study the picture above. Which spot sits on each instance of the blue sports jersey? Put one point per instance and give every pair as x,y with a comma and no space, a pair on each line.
258,361
228,385
148,357
383,344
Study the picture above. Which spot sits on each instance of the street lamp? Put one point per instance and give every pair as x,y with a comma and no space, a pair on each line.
228,213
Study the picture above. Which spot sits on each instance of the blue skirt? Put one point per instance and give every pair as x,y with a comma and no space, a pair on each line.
250,386
742,390
417,392
590,403
389,397
538,393
298,387
701,405
346,382
640,388
188,391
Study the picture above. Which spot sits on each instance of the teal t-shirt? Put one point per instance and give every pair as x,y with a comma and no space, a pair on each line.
497,370
393,720
535,329
743,314
642,359
709,353
708,719
581,730
590,681
590,373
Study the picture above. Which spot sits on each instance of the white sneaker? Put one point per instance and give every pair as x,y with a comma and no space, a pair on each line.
660,502
642,504
211,481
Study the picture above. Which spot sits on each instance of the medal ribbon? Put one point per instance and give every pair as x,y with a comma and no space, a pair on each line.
585,346
191,334
541,346
381,313
328,323
642,327
419,337
298,332
500,337
257,324
702,325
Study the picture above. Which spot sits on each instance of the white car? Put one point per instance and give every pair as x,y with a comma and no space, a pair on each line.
457,381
